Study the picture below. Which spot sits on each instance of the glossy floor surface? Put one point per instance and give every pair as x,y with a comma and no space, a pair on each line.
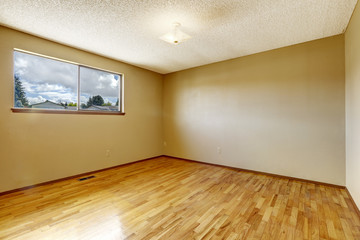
166,198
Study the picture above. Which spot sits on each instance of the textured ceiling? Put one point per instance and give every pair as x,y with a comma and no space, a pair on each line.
129,30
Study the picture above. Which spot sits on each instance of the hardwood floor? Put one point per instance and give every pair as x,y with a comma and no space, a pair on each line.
167,198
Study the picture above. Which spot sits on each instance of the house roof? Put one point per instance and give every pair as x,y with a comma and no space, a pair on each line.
48,102
106,108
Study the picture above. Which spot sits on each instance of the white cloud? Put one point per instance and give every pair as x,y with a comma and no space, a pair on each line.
95,82
20,62
28,87
59,97
112,101
38,99
114,83
39,70
83,99
50,87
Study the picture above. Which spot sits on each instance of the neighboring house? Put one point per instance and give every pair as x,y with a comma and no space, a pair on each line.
51,105
72,108
48,105
102,108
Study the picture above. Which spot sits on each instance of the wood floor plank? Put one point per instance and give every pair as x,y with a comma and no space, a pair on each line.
166,198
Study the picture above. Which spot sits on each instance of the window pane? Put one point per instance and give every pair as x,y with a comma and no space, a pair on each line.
44,83
99,90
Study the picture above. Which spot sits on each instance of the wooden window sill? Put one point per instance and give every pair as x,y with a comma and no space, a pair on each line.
53,111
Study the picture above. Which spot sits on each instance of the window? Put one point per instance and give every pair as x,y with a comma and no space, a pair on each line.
99,90
42,83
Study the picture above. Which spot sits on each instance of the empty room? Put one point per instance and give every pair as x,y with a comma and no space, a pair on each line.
176,120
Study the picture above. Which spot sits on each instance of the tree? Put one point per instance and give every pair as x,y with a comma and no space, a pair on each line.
63,104
18,104
95,100
107,104
20,96
117,102
89,102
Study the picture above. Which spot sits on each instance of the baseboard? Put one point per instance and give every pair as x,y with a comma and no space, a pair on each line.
357,210
74,176
258,172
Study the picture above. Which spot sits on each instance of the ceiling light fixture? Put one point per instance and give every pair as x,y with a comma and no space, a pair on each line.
175,36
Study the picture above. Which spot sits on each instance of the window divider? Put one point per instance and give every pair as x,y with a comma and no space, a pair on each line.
78,90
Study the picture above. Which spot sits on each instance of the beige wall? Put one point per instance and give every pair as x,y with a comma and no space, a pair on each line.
40,147
281,112
352,60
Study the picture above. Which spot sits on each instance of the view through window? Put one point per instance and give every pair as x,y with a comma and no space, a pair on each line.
44,83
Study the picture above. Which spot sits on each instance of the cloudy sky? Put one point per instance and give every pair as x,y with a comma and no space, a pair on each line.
56,81
95,82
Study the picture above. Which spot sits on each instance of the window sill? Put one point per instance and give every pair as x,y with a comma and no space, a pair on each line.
53,111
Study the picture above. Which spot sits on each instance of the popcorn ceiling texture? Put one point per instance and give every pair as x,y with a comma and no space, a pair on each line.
129,30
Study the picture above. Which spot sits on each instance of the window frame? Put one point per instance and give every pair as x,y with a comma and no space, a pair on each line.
78,110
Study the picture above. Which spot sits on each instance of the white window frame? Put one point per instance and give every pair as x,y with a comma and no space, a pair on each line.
78,110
